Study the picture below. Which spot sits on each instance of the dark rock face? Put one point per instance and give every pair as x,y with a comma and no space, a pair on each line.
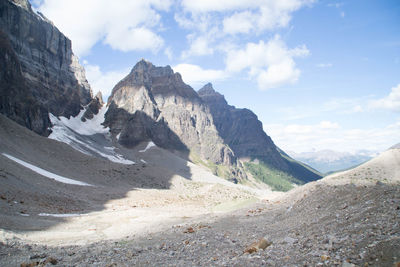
153,103
39,58
240,128
93,107
243,132
16,101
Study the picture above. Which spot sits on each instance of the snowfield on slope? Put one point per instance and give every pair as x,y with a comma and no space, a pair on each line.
48,174
73,131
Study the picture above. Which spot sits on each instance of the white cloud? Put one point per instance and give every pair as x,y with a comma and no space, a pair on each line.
194,75
221,5
324,65
330,135
346,105
337,5
168,52
271,63
239,23
134,39
328,125
198,47
250,15
103,81
391,102
124,25
229,5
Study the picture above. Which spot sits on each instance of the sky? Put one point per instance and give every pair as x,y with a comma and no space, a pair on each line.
318,74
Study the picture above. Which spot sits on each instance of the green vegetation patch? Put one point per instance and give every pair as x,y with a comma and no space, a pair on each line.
278,180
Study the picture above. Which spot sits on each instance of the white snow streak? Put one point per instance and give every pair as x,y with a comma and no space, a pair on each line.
149,145
48,174
60,215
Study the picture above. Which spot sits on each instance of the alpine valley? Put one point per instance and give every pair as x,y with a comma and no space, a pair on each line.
161,174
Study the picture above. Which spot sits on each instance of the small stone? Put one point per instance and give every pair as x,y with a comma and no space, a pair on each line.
31,264
260,244
189,230
51,260
38,256
325,257
347,264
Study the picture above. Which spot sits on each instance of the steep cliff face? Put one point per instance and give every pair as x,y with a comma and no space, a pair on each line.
243,132
240,128
44,64
16,101
153,103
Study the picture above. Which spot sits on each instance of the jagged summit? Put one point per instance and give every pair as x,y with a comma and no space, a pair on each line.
159,81
153,103
23,3
207,89
146,66
99,97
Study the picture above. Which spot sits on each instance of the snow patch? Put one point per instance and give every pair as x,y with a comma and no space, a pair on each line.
89,127
114,157
70,130
60,215
24,214
149,145
48,174
118,135
143,161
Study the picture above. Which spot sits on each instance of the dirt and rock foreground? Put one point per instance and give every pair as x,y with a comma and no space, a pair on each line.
165,213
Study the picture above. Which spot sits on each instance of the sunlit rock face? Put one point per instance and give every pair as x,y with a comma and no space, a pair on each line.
153,103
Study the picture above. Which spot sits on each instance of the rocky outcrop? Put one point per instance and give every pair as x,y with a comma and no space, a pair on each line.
44,64
153,103
93,107
243,133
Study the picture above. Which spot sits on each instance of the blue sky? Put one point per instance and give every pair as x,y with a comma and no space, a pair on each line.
319,74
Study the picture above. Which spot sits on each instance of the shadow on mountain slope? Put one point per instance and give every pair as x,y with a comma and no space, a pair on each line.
140,127
24,194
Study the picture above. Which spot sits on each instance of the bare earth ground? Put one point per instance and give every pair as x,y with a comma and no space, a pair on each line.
171,212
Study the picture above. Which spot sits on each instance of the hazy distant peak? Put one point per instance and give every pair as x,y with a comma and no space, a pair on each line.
397,146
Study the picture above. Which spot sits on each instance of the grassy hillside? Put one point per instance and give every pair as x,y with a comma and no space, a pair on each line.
278,180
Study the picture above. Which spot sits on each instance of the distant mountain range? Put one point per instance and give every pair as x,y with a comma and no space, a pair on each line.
327,161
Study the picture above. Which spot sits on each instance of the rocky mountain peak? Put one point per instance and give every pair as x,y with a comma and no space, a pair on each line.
144,66
99,97
207,89
208,94
23,3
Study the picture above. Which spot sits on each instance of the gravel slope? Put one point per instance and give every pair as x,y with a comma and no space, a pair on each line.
174,214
